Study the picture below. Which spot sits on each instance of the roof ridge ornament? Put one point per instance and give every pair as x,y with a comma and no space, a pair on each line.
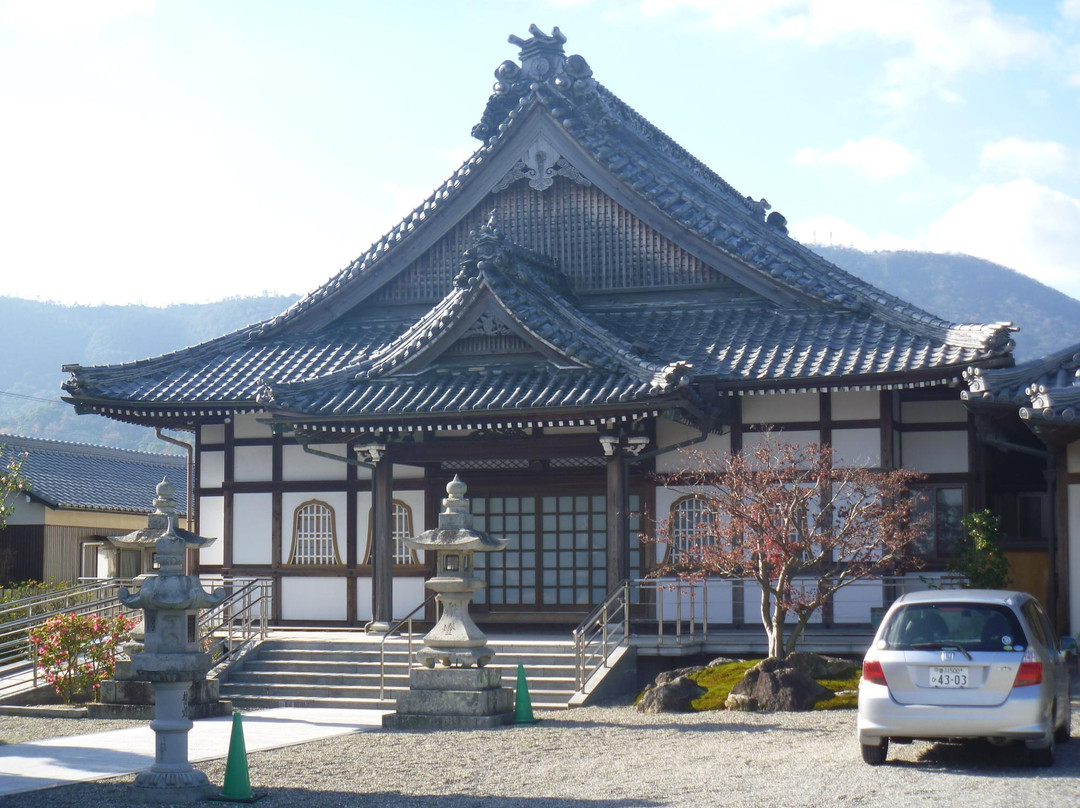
541,56
563,81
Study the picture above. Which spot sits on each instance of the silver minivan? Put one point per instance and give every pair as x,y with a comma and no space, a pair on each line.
966,663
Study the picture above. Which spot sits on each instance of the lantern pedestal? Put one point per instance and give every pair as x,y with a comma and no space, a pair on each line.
449,692
453,698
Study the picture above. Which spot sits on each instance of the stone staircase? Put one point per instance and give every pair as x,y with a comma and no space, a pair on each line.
344,673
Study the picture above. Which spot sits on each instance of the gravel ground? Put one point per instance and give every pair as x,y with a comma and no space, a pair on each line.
614,756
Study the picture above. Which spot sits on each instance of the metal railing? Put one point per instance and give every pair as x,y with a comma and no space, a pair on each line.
608,626
407,620
19,617
223,629
605,629
243,616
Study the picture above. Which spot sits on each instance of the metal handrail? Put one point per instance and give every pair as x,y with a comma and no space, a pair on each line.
607,626
599,631
406,620
242,616
19,617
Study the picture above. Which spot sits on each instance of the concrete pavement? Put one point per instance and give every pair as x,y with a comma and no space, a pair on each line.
79,758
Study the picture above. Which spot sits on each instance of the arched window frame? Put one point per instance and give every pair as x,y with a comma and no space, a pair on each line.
681,533
325,558
402,527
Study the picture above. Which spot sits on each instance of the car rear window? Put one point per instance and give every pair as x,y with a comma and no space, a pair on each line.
971,626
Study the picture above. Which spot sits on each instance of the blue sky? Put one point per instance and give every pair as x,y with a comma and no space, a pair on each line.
181,150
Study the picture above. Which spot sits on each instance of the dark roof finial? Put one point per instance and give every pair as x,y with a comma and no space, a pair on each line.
541,56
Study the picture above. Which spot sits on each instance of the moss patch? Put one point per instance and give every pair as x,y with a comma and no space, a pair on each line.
719,680
845,692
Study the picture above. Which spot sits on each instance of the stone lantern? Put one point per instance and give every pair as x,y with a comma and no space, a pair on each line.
449,692
171,658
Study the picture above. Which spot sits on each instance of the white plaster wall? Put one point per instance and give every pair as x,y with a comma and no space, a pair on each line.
26,513
934,452
1072,457
405,472
290,501
751,440
211,469
853,448
782,407
1074,559
212,525
363,599
246,425
856,405
712,602
932,412
668,433
313,598
212,433
253,463
408,594
252,528
752,602
852,604
299,465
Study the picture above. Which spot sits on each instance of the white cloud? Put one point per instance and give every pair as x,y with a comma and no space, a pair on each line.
937,40
878,158
1025,158
60,19
1070,10
1020,224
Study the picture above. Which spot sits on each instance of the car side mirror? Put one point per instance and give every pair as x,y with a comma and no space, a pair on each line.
1068,645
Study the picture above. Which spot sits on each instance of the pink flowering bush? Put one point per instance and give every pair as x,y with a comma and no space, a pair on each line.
77,652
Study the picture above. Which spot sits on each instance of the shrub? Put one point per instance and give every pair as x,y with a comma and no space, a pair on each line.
982,560
77,652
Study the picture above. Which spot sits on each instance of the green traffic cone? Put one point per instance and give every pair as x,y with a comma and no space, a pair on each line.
237,786
523,713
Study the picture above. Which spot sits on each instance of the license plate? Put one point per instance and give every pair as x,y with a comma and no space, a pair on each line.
948,676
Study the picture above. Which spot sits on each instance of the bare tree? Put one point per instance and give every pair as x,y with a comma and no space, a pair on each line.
784,516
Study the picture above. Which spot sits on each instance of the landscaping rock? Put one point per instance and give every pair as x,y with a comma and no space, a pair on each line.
671,696
778,685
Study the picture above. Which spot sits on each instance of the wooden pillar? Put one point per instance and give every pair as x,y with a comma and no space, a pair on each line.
618,519
277,466
227,502
352,542
1057,484
382,563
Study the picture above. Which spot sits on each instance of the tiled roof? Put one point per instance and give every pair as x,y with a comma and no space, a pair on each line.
839,331
77,475
1046,390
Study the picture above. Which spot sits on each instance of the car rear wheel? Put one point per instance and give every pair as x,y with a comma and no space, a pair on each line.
875,753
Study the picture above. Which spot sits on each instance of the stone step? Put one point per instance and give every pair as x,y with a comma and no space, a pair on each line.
241,694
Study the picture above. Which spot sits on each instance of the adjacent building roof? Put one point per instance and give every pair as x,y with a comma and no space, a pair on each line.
84,477
1046,391
512,336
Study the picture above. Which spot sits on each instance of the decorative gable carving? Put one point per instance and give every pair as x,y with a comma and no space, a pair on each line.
540,165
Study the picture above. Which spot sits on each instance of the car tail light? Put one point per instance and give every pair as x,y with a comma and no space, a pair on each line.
1031,670
872,673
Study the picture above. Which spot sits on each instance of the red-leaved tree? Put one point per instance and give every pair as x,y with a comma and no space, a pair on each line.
784,516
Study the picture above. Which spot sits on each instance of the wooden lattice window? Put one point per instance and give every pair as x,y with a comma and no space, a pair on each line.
314,535
689,528
401,528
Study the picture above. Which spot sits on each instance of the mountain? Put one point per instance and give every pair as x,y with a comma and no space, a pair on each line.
970,290
40,337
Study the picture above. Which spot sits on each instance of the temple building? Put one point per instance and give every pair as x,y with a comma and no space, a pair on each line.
581,299
1028,417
